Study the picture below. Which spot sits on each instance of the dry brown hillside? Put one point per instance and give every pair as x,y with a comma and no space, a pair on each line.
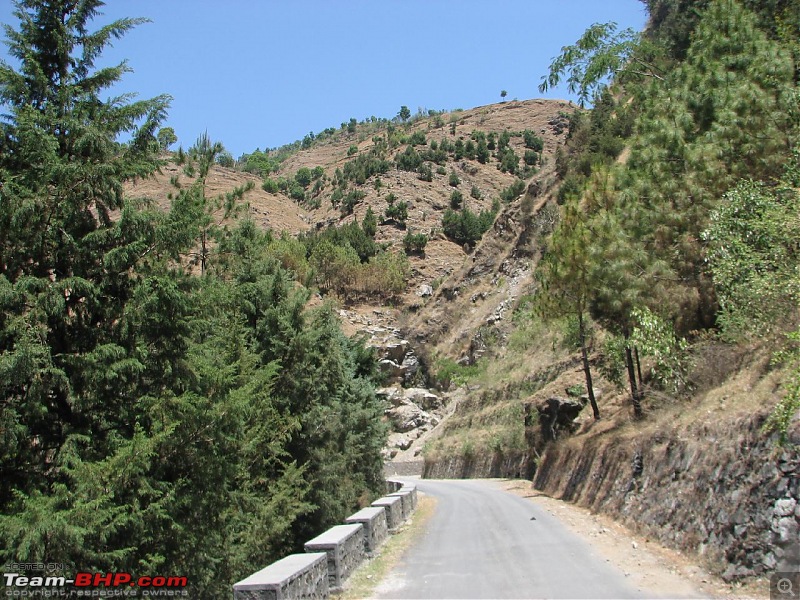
446,266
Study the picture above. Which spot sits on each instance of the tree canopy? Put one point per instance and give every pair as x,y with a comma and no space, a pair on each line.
156,415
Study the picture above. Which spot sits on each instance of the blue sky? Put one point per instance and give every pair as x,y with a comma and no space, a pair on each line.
262,73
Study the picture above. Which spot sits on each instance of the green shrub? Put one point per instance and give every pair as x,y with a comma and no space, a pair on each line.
415,243
425,173
408,160
464,226
532,141
397,212
513,191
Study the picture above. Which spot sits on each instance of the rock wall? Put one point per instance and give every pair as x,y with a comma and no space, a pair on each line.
512,465
724,491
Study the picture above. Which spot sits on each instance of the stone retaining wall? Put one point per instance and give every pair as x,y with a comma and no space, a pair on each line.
725,492
406,502
514,465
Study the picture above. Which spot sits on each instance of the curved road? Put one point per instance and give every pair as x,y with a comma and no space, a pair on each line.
483,542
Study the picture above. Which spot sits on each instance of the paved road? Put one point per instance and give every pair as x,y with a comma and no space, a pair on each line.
483,542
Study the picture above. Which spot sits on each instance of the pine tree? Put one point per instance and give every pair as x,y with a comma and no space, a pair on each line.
565,277
729,111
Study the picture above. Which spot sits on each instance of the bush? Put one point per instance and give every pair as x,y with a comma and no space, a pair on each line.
270,185
454,180
531,157
464,226
509,161
296,192
532,141
408,160
397,212
304,177
513,191
351,199
415,243
417,139
456,199
425,173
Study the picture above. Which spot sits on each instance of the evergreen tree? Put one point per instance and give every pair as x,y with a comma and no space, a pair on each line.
153,420
565,277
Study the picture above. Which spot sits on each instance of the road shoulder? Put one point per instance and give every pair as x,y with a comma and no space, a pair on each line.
650,566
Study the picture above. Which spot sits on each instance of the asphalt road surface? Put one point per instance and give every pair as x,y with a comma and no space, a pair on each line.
483,542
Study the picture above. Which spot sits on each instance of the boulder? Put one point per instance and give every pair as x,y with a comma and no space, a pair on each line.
423,398
557,414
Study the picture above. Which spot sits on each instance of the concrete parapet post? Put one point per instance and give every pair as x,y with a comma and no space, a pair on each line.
376,529
344,545
413,490
296,576
406,500
394,511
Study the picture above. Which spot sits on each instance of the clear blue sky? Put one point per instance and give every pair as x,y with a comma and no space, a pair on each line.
262,73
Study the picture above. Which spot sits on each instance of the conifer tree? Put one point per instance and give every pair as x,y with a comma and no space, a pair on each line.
565,276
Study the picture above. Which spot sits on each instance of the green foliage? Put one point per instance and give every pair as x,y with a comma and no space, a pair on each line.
425,173
404,114
611,361
364,166
531,158
166,137
415,243
454,181
656,338
352,198
370,223
753,252
417,139
260,162
597,55
349,235
508,161
225,159
408,160
139,380
397,212
783,414
532,141
513,191
464,226
447,372
456,200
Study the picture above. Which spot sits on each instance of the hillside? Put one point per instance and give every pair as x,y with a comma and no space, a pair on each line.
427,201
445,292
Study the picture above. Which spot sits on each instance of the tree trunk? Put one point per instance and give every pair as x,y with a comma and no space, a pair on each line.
638,367
586,370
637,405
